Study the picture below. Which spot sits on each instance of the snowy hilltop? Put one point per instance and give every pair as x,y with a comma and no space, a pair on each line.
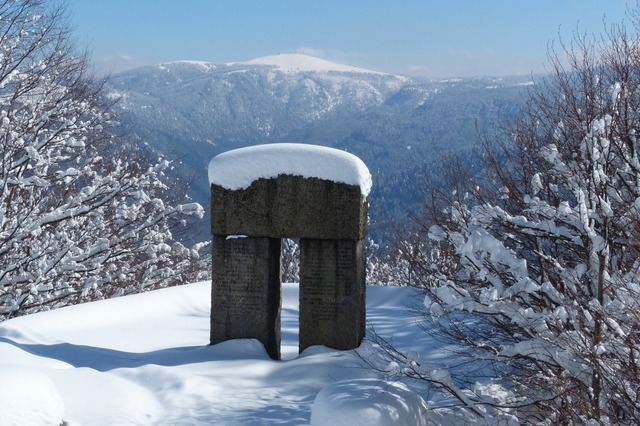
297,62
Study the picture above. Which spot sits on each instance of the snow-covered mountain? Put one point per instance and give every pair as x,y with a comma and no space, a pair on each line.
193,110
296,62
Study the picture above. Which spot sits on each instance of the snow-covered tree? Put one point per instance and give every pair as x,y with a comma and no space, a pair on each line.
546,284
290,261
83,214
398,265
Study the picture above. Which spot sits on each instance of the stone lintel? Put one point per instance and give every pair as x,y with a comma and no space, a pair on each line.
246,295
332,293
290,207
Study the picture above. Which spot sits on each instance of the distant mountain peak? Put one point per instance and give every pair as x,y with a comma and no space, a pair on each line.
298,62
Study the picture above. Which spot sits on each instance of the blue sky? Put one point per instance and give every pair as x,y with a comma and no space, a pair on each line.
432,38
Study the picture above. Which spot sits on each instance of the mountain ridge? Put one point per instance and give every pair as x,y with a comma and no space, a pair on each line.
284,62
193,110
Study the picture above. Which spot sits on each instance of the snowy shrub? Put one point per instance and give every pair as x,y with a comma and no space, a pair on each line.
397,266
83,214
541,276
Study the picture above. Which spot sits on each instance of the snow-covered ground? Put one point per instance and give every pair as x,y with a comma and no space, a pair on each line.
145,360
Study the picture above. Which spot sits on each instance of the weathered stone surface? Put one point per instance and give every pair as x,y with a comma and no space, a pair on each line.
290,207
330,218
246,291
332,293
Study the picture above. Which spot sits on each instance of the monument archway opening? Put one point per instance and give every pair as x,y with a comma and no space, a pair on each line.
262,194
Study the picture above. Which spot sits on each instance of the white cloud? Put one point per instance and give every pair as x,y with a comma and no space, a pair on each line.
458,62
444,63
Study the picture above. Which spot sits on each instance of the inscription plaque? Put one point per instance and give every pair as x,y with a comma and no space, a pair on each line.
245,295
332,293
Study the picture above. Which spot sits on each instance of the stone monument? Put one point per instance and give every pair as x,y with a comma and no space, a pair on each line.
264,193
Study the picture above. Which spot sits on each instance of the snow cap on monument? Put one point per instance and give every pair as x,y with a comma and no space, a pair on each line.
239,168
289,191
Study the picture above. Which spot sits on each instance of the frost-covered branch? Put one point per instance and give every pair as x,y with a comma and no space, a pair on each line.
537,266
84,214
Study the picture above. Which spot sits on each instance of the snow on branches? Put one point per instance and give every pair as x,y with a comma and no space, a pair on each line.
545,245
83,215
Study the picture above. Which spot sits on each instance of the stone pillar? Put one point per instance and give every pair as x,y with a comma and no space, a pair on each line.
332,293
245,296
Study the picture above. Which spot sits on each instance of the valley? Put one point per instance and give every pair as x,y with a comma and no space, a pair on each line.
190,111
